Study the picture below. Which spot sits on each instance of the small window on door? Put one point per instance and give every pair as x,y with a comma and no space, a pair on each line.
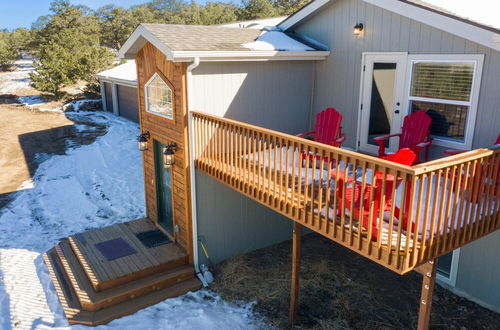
445,90
159,97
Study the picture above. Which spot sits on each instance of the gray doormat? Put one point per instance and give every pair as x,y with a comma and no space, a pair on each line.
115,248
153,238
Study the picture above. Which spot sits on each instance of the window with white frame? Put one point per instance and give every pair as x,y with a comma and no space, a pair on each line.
447,90
159,97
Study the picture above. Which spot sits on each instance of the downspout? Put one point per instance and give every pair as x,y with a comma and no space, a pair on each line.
194,219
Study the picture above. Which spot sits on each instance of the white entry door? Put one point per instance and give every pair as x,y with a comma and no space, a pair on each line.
382,93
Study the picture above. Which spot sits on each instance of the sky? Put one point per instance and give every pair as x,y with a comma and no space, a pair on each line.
484,11
21,13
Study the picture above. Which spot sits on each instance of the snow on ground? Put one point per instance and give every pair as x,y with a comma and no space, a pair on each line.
91,186
31,100
10,82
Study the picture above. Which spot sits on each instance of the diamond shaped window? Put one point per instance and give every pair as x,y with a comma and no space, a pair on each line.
159,97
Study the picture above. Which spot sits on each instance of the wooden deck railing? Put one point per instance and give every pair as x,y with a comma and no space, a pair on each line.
396,215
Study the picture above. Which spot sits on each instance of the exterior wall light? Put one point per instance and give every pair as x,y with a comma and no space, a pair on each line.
168,154
142,141
358,28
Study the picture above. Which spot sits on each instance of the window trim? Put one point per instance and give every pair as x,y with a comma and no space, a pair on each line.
477,60
452,279
146,94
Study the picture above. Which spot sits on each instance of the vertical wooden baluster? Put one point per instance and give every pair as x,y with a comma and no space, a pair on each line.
362,203
433,229
313,187
441,230
462,225
494,193
424,247
381,211
336,187
418,216
395,175
447,201
343,201
328,195
411,204
319,221
371,212
402,213
453,219
306,184
352,218
277,167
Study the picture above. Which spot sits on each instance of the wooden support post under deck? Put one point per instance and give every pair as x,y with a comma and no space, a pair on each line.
428,271
294,293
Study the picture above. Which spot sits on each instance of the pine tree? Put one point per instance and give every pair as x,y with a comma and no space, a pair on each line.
68,50
8,53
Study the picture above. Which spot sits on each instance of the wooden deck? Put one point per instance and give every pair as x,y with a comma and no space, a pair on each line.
448,202
94,290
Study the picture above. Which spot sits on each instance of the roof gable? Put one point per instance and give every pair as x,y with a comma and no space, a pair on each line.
417,10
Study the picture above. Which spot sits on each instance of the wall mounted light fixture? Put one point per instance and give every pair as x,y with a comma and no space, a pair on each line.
358,28
142,141
168,154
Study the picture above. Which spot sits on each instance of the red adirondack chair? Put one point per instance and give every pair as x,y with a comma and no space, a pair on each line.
404,156
415,135
327,130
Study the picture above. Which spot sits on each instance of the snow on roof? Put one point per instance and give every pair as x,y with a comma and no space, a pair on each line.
484,12
276,40
123,72
257,24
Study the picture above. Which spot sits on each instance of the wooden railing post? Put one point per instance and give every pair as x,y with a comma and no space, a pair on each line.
294,293
428,271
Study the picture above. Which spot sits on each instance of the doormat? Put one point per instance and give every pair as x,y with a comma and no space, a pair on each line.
153,238
115,248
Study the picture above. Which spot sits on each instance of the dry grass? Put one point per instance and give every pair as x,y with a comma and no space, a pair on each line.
340,290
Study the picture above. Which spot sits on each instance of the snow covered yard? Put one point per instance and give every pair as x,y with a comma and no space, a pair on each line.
90,186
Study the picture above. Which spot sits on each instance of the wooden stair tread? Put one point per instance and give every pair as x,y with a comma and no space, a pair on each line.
77,315
133,305
104,274
91,300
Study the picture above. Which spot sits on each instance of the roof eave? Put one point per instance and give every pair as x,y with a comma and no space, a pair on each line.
119,81
250,55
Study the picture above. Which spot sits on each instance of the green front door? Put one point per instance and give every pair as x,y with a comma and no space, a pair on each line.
163,190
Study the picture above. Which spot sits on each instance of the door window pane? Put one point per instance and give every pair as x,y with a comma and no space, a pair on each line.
382,98
448,120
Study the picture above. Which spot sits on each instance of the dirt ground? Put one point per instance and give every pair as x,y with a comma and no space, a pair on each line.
340,289
28,136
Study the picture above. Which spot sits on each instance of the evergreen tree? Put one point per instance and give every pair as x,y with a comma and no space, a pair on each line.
68,50
254,9
8,53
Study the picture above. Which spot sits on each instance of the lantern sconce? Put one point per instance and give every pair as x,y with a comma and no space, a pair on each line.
358,28
168,154
142,141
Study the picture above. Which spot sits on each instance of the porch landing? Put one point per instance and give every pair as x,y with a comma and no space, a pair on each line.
94,289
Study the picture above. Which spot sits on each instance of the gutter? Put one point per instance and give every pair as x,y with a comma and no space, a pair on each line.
194,218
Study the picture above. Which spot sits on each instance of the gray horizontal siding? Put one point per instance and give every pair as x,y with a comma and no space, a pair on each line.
338,77
230,223
274,95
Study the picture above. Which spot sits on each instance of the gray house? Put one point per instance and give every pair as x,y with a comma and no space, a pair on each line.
119,90
375,61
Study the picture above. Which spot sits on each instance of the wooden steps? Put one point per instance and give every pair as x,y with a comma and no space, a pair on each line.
83,304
